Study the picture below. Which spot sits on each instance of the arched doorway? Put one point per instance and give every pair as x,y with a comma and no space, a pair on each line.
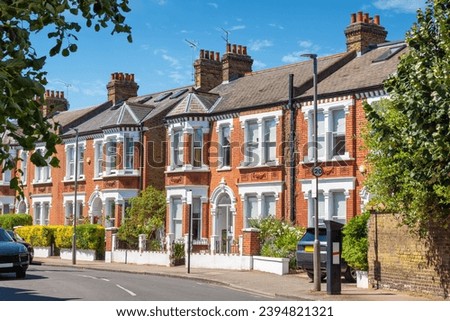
22,207
223,211
224,223
96,211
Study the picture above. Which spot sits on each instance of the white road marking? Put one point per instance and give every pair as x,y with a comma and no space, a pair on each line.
89,277
126,290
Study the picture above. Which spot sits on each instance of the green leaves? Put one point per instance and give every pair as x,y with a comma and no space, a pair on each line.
145,216
22,75
408,134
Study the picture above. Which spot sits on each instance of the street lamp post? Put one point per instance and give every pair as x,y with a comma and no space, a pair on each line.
189,202
317,171
75,207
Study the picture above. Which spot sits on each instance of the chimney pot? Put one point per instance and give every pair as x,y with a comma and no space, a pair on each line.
211,55
202,53
244,50
52,93
217,56
353,18
234,48
239,50
376,20
61,95
228,47
366,18
359,16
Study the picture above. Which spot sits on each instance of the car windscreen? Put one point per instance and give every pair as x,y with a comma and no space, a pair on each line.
309,236
4,236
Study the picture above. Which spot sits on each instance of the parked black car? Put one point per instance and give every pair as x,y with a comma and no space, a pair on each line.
305,253
16,237
14,256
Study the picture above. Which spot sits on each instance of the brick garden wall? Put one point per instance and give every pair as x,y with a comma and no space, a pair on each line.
399,260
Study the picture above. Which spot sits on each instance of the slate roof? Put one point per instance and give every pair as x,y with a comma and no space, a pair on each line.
362,73
271,86
339,73
195,103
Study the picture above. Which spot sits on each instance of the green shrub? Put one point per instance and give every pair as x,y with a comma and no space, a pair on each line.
355,243
89,237
278,238
36,235
9,221
63,236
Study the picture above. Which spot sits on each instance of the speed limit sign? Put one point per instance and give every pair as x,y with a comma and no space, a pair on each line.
317,171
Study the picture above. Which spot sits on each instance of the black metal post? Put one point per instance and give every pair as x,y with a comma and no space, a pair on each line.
292,148
75,204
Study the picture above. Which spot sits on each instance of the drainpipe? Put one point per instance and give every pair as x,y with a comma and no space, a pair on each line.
141,156
292,148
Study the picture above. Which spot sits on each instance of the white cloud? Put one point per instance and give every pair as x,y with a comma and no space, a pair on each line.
258,65
292,57
409,6
274,25
256,45
174,62
306,46
160,2
239,27
213,4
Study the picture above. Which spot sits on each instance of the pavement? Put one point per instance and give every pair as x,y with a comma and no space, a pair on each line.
295,286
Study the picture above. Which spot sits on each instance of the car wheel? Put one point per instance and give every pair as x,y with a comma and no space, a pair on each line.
311,276
21,274
350,275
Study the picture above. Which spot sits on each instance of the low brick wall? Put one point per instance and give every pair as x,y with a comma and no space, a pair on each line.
399,260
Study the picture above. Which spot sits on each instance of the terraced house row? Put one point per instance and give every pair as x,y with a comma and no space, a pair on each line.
226,139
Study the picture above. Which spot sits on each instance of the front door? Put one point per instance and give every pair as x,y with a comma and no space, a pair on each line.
224,224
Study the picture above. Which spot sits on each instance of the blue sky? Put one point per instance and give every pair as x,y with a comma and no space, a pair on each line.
275,32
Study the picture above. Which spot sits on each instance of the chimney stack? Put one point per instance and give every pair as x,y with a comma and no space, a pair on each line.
235,62
208,70
121,87
54,101
364,31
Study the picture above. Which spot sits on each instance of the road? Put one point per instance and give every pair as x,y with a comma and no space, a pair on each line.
51,283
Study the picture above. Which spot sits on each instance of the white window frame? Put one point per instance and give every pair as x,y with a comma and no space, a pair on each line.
70,161
98,158
197,221
177,152
259,145
111,156
128,153
260,190
176,220
24,166
197,146
220,126
41,211
224,147
327,186
42,174
327,111
247,214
